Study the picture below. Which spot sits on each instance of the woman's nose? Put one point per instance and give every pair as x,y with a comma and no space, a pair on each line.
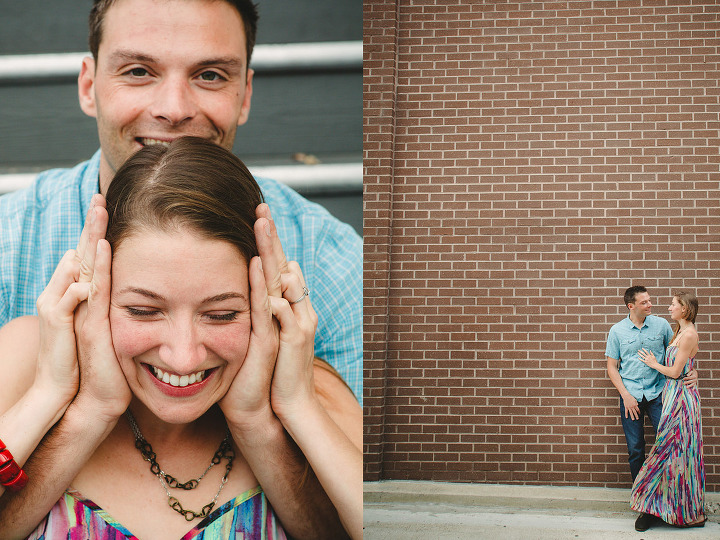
182,350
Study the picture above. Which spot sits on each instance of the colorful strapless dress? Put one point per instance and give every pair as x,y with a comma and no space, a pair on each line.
247,516
671,483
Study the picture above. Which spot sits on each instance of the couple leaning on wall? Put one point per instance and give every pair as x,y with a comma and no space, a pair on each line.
653,368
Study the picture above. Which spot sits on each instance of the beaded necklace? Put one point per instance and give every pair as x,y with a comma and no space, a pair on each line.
225,451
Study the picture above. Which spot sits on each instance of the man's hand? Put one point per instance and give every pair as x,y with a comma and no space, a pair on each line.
293,386
691,379
631,407
279,466
103,386
248,403
56,462
57,365
271,252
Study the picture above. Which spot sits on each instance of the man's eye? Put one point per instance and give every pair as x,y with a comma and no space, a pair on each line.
137,72
211,76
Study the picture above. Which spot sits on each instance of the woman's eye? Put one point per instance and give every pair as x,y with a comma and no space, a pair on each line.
136,312
229,316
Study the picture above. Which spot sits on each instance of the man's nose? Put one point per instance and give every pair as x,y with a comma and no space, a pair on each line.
174,101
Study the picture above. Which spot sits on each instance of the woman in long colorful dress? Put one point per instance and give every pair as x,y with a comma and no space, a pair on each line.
671,483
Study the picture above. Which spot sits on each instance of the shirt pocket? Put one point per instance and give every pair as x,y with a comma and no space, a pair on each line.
629,347
653,343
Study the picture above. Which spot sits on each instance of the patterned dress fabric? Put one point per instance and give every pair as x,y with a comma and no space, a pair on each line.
671,483
249,516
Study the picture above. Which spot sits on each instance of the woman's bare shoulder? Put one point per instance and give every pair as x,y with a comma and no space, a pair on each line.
339,401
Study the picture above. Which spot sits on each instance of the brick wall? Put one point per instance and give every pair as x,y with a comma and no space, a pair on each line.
525,163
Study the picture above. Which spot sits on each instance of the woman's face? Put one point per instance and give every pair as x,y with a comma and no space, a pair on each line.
180,319
676,310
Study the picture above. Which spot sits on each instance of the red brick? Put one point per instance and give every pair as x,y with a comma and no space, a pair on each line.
525,163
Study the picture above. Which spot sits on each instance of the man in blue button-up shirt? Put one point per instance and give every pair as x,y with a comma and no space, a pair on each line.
640,387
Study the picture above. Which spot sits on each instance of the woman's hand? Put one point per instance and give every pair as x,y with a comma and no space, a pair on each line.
103,388
648,358
277,373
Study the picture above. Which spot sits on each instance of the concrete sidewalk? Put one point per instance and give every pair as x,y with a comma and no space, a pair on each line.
412,510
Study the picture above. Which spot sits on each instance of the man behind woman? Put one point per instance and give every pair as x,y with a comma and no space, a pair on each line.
155,368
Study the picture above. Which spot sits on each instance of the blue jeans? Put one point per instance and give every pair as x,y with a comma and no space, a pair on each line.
635,431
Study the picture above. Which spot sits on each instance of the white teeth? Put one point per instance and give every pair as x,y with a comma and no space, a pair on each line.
148,142
177,380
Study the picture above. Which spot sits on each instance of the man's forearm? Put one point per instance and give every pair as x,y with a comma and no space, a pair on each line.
51,469
616,379
288,482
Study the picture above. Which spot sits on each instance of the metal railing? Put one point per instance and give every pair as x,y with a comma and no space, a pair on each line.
334,55
307,179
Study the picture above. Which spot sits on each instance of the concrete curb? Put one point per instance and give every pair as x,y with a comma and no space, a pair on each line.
516,496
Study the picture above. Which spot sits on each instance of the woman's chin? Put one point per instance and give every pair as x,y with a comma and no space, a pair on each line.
176,413
176,409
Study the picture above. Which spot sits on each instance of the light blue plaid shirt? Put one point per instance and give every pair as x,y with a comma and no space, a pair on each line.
625,340
40,223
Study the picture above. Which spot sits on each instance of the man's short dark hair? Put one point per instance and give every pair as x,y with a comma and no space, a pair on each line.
246,9
632,292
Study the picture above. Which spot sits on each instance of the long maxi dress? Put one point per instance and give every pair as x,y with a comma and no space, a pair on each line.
671,482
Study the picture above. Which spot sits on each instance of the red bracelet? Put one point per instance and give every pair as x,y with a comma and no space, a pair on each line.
11,475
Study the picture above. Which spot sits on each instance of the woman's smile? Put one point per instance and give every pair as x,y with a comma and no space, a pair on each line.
177,380
180,386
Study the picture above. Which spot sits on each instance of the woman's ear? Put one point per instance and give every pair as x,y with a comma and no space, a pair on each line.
86,87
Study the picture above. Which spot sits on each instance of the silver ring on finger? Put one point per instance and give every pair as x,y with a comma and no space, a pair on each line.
306,292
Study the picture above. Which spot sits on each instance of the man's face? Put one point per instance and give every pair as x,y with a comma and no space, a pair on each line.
642,307
166,68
